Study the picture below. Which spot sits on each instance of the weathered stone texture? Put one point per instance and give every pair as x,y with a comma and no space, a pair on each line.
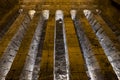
33,50
92,65
60,68
12,48
108,42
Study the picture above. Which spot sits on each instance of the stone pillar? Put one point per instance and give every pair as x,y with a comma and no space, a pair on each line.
43,24
114,26
33,50
92,64
61,69
111,47
12,48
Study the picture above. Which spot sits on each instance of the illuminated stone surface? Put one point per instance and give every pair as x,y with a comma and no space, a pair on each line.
91,54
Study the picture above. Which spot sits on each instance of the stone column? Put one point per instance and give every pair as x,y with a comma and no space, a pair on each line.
43,24
61,69
92,64
12,48
111,47
33,50
114,26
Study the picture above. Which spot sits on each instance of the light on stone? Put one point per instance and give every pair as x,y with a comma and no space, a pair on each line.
46,14
73,14
20,10
31,13
87,13
59,15
98,11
